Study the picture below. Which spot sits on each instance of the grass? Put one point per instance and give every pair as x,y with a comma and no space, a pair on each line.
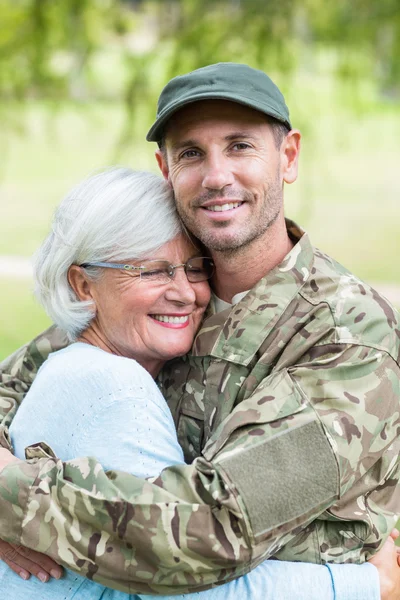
346,195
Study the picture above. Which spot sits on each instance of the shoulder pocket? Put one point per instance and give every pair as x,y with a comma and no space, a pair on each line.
273,401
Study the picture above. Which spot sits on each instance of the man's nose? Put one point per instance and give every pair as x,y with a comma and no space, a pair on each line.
217,172
179,289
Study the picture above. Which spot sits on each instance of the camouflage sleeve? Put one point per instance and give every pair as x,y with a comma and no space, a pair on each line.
18,371
181,532
310,438
348,397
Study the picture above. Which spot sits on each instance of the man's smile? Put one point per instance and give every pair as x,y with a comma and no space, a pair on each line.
223,207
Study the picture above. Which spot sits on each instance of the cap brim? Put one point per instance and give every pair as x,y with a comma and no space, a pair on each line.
156,130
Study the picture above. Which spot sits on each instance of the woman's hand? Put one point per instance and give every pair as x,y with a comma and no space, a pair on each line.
26,562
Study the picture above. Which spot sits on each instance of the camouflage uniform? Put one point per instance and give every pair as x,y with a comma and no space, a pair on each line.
289,406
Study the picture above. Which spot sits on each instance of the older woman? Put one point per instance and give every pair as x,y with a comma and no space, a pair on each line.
129,287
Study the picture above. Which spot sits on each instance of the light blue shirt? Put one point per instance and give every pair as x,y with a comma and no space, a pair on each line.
87,402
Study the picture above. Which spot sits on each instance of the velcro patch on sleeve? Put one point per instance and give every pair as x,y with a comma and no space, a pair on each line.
285,477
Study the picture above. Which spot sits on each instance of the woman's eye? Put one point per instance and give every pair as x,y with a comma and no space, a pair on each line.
152,273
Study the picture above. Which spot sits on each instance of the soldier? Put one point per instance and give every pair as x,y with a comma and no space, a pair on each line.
288,405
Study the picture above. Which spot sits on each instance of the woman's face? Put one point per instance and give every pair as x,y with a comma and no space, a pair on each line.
134,317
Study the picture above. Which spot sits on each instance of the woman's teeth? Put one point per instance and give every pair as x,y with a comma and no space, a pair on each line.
166,319
223,207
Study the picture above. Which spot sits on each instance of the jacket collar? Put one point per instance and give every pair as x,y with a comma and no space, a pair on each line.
236,333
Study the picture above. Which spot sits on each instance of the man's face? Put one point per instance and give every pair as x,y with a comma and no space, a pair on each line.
223,164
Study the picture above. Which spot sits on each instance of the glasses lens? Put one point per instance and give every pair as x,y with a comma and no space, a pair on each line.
156,271
199,269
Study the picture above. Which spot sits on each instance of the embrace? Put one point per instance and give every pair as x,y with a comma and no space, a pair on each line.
272,430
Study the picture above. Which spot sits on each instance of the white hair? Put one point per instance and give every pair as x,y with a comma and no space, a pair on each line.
113,215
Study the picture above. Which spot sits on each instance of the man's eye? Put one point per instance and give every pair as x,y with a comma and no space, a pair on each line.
190,154
241,146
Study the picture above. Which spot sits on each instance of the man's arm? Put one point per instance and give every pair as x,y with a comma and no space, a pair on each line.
278,579
16,376
200,524
353,393
18,371
13,388
271,579
201,518
215,525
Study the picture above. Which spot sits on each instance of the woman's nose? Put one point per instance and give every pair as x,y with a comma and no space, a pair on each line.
180,289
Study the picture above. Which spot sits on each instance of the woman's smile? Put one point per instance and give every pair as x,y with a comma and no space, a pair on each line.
151,322
174,321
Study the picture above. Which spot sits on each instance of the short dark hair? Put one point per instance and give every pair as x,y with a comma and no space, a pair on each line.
279,130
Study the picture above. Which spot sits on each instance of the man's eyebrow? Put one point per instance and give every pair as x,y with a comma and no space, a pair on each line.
240,135
184,144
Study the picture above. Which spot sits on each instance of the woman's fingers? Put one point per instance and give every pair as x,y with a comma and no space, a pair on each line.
17,569
26,562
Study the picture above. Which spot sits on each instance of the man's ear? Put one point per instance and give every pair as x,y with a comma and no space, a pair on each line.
290,151
162,164
79,283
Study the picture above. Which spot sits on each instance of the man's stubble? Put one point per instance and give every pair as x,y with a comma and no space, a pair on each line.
255,227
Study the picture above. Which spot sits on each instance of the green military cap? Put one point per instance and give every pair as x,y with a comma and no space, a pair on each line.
222,81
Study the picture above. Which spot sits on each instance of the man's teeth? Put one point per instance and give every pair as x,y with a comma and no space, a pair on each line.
166,319
222,207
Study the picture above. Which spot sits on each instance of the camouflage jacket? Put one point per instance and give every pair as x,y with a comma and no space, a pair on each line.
288,407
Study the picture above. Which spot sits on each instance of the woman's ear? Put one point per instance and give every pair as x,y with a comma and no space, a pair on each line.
80,284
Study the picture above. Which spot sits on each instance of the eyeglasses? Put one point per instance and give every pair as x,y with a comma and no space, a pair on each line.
161,271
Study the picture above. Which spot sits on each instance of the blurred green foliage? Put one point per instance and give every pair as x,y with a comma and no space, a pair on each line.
48,48
83,51
58,50
125,50
46,44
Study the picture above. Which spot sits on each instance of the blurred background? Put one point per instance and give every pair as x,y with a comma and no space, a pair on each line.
79,81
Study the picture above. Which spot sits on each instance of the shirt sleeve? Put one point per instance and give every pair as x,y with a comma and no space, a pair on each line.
355,582
280,580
